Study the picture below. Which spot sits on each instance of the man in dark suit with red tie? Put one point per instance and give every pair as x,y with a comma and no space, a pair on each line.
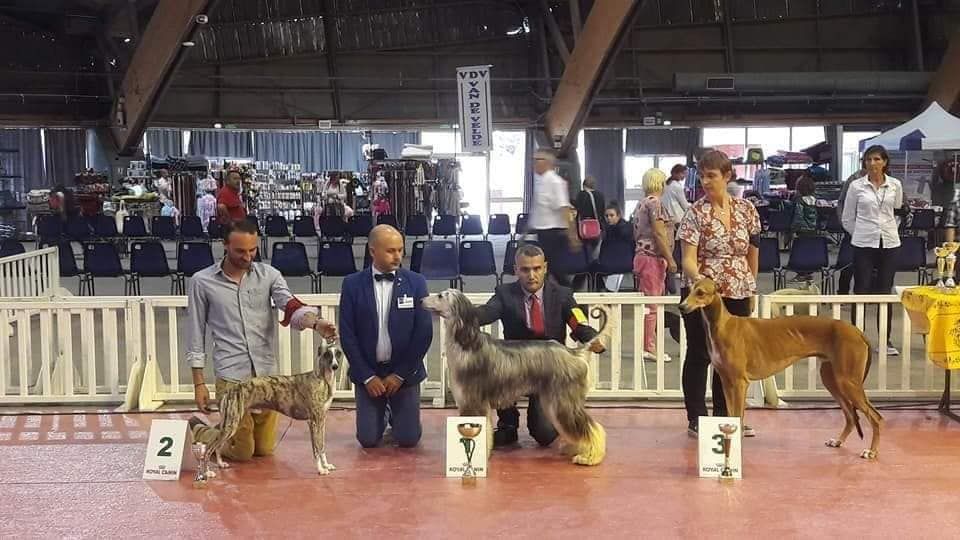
536,308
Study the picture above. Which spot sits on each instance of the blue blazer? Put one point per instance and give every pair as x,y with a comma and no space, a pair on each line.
411,330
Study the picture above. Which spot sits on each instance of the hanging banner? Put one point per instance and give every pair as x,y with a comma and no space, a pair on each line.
473,88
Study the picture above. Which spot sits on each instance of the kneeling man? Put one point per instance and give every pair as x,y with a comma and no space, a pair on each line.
534,307
386,333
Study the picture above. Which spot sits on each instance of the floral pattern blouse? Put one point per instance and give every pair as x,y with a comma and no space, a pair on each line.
722,254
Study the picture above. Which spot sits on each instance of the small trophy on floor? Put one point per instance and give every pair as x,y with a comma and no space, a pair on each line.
468,434
728,430
200,453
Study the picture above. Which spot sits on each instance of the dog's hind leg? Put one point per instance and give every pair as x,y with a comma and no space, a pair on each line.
578,429
318,440
859,399
830,382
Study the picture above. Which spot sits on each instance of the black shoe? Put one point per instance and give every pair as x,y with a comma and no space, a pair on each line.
693,429
504,437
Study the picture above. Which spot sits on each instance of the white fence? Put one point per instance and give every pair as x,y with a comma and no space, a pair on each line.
32,274
111,349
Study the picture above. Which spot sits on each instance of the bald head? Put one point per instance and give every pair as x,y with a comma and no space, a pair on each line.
386,248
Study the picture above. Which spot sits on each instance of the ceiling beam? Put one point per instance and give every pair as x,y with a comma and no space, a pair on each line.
157,57
606,28
330,40
555,33
575,20
945,85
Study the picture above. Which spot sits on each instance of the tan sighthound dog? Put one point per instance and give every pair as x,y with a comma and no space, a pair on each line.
743,349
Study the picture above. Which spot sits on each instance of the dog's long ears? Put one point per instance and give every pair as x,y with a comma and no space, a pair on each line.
466,321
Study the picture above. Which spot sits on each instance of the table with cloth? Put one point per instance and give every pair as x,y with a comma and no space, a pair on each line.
935,311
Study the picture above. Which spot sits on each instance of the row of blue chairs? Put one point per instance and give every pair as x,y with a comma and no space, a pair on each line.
51,229
810,255
441,260
416,226
147,259
920,220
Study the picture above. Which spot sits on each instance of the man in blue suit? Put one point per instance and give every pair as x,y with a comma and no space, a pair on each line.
386,333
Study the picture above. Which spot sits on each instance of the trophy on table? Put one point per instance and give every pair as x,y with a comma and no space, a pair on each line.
941,253
728,430
946,263
468,433
200,453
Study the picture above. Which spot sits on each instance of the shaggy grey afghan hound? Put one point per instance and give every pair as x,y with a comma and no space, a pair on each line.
488,374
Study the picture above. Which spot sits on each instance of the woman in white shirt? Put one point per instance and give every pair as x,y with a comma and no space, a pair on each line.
869,215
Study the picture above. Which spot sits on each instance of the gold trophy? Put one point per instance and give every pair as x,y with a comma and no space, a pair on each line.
942,253
468,434
728,430
951,248
200,453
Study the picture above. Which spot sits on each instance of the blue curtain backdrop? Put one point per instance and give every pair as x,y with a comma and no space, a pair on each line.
315,151
165,142
220,143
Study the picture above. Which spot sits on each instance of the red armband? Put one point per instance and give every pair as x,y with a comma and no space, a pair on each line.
292,306
576,319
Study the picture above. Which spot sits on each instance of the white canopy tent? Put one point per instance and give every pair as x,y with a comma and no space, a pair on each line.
933,129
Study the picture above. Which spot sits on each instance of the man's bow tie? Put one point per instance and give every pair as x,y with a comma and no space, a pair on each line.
389,276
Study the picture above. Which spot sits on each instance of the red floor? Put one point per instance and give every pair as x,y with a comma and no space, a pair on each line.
79,476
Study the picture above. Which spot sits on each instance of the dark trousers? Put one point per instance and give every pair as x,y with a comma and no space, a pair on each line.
556,249
846,275
404,416
874,270
698,358
537,424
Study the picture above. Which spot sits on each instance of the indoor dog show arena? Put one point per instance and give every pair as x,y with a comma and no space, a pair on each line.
324,241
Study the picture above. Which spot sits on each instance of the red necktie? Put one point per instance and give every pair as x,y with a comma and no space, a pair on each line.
536,315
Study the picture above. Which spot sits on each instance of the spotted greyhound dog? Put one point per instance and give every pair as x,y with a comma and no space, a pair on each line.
306,396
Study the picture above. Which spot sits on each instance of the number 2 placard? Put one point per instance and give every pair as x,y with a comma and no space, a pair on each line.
165,449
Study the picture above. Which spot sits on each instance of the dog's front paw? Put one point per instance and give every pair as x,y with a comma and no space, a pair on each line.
211,472
323,471
833,443
583,459
331,467
868,454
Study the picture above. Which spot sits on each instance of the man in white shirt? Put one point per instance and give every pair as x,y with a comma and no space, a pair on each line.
552,216
385,334
674,199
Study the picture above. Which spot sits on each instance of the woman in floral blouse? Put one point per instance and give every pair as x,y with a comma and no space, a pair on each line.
720,235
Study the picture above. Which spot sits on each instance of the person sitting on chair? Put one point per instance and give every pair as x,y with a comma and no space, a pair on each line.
534,308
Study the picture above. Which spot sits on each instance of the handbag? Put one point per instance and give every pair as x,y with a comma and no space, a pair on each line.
589,228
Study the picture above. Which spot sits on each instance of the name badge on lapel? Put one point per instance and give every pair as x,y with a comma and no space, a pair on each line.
405,302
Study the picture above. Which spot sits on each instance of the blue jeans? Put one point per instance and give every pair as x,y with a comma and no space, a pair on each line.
404,416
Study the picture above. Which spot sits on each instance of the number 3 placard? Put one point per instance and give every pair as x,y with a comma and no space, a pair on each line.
711,446
165,449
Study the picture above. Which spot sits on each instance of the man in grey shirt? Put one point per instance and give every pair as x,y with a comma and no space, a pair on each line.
233,301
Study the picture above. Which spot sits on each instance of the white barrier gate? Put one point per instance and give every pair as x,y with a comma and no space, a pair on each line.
83,350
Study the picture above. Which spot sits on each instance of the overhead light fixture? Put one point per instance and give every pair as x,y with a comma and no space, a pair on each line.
188,44
217,125
126,40
667,123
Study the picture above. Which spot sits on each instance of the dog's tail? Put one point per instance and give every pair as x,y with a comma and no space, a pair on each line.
866,371
607,327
